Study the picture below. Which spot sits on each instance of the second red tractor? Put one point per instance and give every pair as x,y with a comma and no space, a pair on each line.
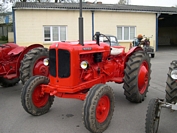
20,63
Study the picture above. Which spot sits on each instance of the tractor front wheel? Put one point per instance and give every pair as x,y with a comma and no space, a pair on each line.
8,82
98,108
137,76
34,101
153,116
32,64
171,84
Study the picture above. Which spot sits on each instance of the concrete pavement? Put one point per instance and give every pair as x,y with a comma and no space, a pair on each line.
65,115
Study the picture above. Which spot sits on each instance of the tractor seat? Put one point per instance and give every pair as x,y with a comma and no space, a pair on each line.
116,51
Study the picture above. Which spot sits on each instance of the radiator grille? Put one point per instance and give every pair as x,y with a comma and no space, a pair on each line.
63,63
52,62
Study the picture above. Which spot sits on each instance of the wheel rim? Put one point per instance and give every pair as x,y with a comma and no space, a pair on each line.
156,119
40,69
39,99
156,125
143,77
102,109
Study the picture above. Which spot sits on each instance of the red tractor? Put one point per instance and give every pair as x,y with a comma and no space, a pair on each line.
145,43
81,71
20,63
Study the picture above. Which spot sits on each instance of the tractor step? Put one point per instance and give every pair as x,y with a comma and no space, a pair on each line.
11,76
117,80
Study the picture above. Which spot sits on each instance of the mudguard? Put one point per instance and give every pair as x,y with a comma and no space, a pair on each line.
10,45
131,51
16,51
22,55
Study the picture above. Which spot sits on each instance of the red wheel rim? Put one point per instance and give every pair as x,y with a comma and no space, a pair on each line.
143,77
102,109
40,69
39,99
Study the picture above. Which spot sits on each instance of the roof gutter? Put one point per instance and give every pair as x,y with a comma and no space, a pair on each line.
64,9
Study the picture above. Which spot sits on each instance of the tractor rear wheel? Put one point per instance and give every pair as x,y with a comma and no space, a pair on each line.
32,64
98,108
153,116
171,84
9,82
34,101
137,76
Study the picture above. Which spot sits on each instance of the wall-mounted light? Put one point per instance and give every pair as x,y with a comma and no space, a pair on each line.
161,18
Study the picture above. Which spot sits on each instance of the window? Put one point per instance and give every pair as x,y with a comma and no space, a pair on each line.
126,32
54,33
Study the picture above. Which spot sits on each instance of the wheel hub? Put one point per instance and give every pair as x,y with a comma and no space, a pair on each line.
40,68
143,78
102,109
39,99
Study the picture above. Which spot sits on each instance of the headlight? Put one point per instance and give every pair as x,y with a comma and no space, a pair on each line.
46,61
84,65
174,74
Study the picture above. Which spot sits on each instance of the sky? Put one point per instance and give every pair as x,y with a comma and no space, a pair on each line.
166,3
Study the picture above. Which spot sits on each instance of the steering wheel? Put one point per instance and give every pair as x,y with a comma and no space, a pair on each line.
97,38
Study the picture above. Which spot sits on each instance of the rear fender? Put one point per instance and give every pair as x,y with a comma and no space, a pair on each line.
16,51
22,55
131,51
11,45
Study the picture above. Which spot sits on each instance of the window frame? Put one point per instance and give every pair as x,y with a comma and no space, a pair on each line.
123,33
51,33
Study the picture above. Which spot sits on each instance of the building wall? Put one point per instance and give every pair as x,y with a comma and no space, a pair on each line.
10,36
107,22
29,24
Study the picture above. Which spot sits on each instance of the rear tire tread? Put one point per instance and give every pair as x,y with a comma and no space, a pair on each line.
130,86
171,84
26,67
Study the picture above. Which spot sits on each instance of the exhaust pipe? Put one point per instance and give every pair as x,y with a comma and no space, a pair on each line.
81,33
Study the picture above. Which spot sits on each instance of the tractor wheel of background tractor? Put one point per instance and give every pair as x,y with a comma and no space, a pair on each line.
32,64
152,116
171,84
98,108
34,101
137,76
9,82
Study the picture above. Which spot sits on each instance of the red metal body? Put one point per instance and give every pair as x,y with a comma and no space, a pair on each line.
10,57
109,69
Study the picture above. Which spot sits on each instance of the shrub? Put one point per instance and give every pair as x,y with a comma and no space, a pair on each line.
4,38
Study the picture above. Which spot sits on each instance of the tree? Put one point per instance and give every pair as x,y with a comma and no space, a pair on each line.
122,2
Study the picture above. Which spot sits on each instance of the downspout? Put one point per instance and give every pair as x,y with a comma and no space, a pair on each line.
157,29
13,15
92,25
